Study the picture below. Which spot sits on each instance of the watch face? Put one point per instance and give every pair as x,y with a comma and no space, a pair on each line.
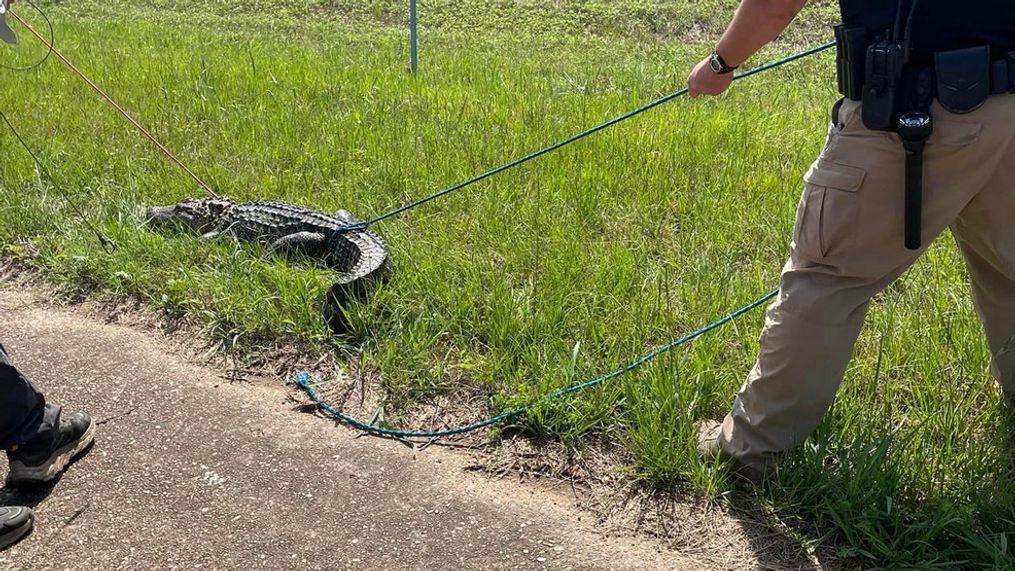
716,64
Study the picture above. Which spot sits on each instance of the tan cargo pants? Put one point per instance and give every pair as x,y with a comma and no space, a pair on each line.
848,246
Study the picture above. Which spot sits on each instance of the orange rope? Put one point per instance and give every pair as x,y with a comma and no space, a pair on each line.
121,110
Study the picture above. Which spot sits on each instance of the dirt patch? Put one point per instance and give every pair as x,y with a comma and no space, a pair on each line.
736,533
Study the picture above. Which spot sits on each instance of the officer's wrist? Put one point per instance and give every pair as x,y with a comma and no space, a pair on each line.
719,64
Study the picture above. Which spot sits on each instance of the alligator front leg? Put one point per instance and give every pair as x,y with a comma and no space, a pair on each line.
306,243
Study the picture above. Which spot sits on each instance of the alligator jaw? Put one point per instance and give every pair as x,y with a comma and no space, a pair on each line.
158,216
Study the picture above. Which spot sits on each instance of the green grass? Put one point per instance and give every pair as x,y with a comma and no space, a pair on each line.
546,275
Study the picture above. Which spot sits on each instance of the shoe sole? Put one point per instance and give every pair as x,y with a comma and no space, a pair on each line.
20,474
16,535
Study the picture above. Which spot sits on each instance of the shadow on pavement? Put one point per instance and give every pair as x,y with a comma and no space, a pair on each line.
32,496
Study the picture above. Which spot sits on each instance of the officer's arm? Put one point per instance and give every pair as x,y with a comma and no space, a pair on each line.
756,23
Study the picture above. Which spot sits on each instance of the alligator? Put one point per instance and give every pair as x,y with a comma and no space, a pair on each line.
358,255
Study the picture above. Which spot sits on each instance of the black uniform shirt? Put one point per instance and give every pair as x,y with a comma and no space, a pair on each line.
940,25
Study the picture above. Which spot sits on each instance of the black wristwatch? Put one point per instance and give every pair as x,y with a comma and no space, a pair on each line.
719,65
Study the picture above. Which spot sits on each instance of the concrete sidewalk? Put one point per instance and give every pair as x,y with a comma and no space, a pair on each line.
190,471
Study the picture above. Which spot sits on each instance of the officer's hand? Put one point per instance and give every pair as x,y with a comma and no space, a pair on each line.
704,81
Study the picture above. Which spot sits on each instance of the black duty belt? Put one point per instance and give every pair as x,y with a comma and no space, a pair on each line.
862,60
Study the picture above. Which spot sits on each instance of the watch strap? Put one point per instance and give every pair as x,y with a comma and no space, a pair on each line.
724,67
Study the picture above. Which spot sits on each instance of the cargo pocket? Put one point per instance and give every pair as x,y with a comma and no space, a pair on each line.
829,209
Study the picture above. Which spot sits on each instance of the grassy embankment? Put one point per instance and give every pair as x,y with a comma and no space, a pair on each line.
549,274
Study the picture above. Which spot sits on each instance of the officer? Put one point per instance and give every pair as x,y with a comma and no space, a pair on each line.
928,88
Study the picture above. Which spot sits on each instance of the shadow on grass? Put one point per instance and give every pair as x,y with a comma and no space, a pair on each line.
866,505
738,531
778,544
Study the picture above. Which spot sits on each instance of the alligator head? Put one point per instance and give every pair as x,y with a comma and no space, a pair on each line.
199,214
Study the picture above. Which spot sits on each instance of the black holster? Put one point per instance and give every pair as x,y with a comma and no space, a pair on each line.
963,78
851,59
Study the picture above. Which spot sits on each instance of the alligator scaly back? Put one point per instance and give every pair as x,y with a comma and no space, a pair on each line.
360,257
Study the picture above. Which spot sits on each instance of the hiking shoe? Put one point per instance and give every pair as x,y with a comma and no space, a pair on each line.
710,450
708,439
15,523
42,459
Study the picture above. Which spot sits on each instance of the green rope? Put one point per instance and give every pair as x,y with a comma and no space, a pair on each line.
545,150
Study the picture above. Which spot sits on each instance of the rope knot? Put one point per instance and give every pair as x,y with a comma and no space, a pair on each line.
347,228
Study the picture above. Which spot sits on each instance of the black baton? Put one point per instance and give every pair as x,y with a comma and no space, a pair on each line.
914,128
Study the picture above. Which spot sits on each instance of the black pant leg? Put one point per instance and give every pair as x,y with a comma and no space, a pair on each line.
24,413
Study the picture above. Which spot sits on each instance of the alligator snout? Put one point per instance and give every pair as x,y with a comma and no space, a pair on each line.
158,216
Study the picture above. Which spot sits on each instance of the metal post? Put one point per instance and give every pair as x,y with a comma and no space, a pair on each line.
413,51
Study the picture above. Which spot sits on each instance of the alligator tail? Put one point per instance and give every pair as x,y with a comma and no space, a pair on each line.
372,268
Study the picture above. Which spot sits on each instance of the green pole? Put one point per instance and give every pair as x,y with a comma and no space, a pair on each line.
413,48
